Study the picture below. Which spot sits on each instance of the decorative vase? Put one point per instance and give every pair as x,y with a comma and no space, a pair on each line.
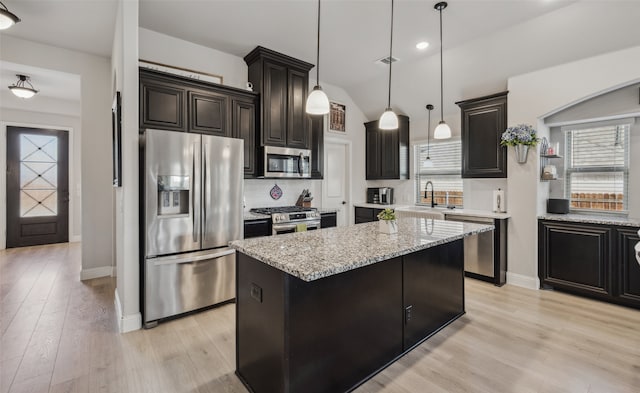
388,226
521,153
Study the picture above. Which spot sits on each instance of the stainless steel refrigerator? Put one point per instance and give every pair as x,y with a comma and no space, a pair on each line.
193,189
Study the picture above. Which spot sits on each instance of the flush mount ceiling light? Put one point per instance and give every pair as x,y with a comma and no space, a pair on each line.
422,45
20,90
442,131
317,102
7,18
428,163
389,120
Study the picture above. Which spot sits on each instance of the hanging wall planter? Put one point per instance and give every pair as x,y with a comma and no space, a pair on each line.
521,153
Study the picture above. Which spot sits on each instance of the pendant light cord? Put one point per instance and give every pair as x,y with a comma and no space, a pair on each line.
428,131
441,73
390,57
318,50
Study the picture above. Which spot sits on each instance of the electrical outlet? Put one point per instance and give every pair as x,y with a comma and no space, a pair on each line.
256,292
407,314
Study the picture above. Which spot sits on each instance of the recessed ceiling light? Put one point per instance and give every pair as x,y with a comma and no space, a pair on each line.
422,45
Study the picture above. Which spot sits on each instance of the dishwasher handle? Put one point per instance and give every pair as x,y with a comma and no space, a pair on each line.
471,219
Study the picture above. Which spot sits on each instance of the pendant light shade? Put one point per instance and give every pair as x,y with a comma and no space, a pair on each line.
20,90
7,18
428,163
388,119
317,102
442,131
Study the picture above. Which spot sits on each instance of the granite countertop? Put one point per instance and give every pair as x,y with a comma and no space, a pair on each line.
441,210
593,219
316,254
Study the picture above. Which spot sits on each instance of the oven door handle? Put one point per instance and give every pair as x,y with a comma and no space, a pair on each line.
312,224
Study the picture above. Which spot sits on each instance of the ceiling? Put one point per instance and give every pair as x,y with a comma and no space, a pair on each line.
485,41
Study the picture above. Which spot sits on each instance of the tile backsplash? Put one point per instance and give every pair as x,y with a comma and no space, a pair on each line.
256,192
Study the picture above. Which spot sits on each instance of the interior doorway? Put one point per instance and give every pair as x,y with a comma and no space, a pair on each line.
37,186
337,189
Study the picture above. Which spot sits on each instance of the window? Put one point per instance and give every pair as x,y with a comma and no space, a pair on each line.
597,167
444,174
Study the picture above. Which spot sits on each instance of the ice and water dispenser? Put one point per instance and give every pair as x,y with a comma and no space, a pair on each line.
173,195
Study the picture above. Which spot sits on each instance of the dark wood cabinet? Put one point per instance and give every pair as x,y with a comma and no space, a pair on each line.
629,271
484,119
328,220
316,125
243,121
208,113
366,214
176,103
387,151
433,291
257,228
283,83
594,260
162,105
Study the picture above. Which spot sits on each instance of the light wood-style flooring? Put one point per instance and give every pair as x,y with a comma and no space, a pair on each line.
60,335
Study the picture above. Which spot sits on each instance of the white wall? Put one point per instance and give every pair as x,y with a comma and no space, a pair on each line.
161,48
531,97
95,134
124,70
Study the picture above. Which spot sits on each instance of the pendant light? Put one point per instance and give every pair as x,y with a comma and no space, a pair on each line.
317,102
7,18
428,163
389,120
442,131
20,90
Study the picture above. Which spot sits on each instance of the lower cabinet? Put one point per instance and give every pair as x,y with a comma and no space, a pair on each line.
328,220
366,214
589,259
257,228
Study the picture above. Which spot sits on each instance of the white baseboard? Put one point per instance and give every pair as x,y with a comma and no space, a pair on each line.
523,281
75,239
96,272
126,323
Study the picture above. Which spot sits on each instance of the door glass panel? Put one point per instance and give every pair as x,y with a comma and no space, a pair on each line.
38,175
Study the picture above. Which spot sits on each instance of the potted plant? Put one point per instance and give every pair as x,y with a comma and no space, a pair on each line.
387,223
520,137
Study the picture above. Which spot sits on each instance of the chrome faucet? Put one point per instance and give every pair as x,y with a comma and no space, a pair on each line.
426,189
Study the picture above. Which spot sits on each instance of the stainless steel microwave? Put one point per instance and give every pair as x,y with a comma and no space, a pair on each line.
287,162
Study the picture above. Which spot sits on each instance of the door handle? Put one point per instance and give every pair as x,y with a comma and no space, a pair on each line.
193,194
344,202
204,190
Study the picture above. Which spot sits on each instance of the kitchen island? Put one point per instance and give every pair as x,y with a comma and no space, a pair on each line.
325,310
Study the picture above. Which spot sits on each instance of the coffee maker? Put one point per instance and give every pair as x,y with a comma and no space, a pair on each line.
380,195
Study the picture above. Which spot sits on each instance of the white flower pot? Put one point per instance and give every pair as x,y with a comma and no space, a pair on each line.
388,226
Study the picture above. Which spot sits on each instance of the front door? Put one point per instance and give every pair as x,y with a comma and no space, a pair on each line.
37,186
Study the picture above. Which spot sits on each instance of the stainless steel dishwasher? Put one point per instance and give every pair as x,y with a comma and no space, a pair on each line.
478,249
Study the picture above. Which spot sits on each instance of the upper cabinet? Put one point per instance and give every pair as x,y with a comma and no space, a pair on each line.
283,84
176,103
387,151
484,119
316,125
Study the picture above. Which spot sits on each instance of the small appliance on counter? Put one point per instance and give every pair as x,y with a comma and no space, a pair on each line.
557,206
380,195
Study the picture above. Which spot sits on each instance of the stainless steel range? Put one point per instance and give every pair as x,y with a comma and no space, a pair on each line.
289,218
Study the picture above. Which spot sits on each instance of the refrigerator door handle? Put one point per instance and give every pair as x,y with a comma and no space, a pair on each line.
175,260
193,194
204,187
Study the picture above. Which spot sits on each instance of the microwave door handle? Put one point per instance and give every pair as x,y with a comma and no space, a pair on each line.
300,159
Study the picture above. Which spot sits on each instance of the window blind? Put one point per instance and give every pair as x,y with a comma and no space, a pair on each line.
597,167
445,174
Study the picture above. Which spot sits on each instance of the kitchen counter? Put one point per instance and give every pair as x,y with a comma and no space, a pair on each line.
316,254
248,216
437,210
592,219
326,310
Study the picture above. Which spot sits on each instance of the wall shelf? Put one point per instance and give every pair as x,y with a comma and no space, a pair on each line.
545,159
